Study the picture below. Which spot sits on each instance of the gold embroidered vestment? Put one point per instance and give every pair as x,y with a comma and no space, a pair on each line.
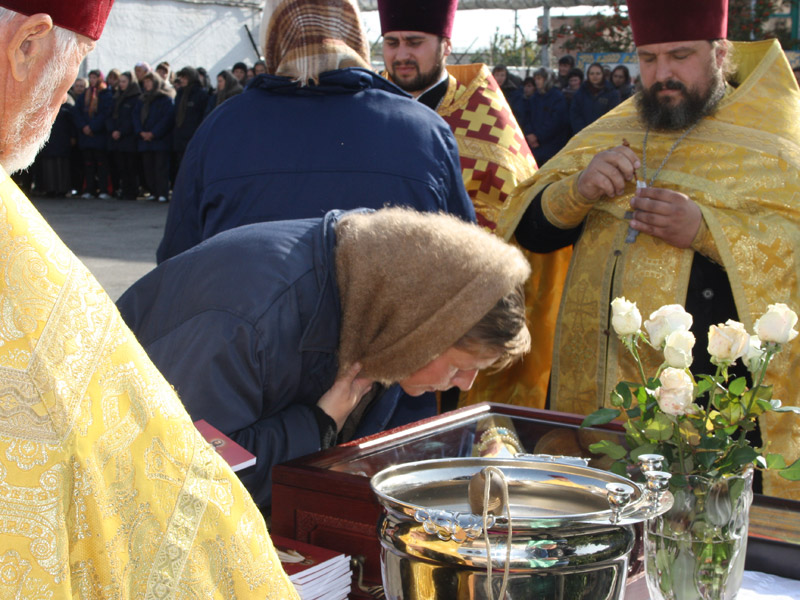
742,167
106,488
495,158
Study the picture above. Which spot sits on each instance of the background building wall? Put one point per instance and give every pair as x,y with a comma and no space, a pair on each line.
183,32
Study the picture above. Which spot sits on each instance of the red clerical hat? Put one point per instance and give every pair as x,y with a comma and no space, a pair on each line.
659,21
427,16
87,17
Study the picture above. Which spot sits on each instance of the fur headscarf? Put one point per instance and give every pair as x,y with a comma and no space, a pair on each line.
412,284
304,38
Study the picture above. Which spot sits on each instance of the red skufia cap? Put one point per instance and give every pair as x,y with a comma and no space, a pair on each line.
428,16
659,21
87,17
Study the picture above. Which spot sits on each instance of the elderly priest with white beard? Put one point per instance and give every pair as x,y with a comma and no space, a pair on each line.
106,488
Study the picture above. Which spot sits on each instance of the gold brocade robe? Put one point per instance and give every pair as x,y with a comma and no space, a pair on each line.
742,167
106,488
495,158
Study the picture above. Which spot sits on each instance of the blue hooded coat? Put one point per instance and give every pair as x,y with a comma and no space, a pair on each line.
282,151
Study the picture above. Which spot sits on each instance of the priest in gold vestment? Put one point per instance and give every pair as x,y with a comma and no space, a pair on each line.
495,158
717,225
106,488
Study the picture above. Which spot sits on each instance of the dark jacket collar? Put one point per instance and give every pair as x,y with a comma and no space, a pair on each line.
340,81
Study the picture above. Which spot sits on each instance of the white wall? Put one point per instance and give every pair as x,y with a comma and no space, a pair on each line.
182,33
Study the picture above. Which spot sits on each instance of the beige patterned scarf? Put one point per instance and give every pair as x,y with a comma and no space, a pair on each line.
305,38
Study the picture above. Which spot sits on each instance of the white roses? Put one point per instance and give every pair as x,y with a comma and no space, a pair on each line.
777,324
625,317
668,318
676,393
668,330
727,342
678,349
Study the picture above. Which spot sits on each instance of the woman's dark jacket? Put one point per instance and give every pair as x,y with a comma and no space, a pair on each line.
121,120
160,120
96,122
586,106
59,144
192,115
549,123
246,327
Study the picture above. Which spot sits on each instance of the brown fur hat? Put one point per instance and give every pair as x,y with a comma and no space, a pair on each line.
412,284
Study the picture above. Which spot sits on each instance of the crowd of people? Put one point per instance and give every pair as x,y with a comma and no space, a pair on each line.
123,134
552,106
393,240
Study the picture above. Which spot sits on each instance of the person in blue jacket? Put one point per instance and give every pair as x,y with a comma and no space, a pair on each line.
190,109
292,336
153,121
92,109
123,140
310,136
549,128
521,103
594,99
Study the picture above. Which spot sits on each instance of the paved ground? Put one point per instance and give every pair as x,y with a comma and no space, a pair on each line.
115,239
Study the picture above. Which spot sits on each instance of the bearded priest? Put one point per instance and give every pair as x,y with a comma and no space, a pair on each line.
106,488
686,194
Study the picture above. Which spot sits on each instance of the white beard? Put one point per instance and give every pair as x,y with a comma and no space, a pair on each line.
30,128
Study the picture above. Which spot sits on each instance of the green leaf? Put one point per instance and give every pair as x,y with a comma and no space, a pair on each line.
660,428
742,456
737,386
644,449
608,448
703,385
619,468
791,473
705,459
623,390
601,417
689,432
775,461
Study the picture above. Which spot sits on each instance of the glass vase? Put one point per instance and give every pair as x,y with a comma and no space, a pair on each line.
697,549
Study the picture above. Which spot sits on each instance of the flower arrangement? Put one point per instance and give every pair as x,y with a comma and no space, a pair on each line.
662,414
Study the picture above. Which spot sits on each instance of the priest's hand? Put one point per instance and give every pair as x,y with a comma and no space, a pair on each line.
608,173
666,214
339,401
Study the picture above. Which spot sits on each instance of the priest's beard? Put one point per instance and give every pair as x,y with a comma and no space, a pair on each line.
29,129
661,115
422,81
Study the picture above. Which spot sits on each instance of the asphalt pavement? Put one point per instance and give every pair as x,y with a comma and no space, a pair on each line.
115,239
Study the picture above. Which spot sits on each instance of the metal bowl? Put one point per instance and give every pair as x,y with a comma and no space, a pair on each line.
571,529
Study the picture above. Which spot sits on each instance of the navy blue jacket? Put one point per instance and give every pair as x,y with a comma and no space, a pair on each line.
522,108
97,122
280,151
59,144
160,120
586,107
195,112
246,327
124,124
549,123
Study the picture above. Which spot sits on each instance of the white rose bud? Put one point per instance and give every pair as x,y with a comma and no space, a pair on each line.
754,355
676,393
664,321
776,325
678,349
727,342
625,317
